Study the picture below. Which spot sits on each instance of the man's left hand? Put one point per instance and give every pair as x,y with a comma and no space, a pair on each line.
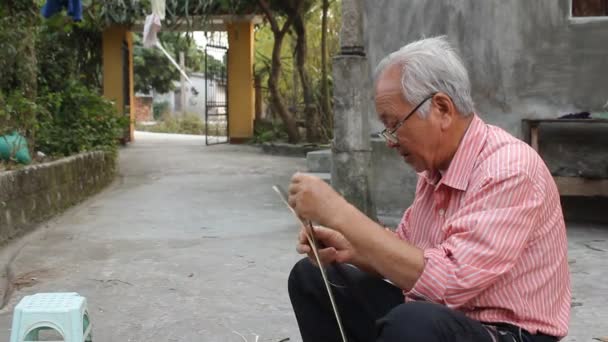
315,200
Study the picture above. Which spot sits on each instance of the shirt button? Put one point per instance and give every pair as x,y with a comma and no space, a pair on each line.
441,212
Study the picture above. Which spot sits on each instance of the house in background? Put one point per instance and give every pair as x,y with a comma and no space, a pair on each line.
195,102
527,60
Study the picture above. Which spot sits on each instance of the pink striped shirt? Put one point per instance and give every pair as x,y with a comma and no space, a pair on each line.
493,235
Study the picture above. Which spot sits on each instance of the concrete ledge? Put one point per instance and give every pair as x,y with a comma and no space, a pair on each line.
319,161
35,193
291,150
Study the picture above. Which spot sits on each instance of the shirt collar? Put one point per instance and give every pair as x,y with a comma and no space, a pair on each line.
458,173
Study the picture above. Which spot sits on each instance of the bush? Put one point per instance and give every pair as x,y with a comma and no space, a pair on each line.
268,131
189,124
192,124
18,113
159,109
79,120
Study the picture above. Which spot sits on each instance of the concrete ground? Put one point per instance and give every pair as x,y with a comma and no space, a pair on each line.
191,244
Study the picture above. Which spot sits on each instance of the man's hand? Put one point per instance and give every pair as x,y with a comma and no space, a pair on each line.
332,246
315,200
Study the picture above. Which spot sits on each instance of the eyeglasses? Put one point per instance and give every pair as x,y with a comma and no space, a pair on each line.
390,136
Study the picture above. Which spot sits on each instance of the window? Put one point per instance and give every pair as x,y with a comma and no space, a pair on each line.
589,8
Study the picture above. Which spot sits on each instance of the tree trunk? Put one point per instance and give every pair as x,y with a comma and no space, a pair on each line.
313,124
277,101
295,79
325,97
257,81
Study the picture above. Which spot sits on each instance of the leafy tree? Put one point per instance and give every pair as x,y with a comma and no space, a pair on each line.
276,99
18,28
284,17
154,71
319,48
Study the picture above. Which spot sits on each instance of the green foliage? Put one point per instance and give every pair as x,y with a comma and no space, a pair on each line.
79,120
152,70
159,109
18,113
192,124
127,12
50,81
50,70
189,124
267,131
67,48
215,69
18,23
289,84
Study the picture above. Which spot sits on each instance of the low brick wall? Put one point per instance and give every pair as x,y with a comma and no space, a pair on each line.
143,108
35,193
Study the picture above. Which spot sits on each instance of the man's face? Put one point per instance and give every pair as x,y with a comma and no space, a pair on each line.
418,139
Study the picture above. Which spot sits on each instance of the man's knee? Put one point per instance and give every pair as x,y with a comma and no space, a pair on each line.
301,273
418,321
425,321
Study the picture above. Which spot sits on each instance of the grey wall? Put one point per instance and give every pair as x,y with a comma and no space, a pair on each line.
195,104
525,59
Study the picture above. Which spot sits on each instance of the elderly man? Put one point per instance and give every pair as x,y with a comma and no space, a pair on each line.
480,255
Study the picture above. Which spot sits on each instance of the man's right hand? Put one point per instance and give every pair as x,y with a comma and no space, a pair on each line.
332,246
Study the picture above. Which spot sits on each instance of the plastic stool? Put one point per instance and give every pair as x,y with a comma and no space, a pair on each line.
65,313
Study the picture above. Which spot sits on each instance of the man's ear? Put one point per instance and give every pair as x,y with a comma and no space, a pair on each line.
445,110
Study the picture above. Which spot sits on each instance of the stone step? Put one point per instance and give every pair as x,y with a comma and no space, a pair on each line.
326,176
319,161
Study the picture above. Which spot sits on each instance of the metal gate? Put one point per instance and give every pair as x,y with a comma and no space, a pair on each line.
216,94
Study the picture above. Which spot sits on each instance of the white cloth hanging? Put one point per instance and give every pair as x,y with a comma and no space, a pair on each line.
159,45
150,36
158,8
151,28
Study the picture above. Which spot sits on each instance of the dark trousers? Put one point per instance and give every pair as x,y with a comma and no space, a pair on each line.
374,310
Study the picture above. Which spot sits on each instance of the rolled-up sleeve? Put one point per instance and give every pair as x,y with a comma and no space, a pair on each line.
483,240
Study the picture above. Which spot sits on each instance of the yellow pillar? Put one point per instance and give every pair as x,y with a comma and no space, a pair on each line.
113,77
241,94
129,39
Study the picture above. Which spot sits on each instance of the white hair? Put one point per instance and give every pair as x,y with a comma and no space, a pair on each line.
428,66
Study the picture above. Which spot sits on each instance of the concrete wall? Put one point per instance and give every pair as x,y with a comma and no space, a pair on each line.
166,97
195,104
35,193
527,59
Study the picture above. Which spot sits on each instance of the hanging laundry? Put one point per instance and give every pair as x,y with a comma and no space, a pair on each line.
153,24
74,8
151,28
158,8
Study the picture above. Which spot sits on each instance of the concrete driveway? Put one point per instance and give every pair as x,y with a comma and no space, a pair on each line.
191,244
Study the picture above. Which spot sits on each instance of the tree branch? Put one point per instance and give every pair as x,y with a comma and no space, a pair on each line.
274,26
292,16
